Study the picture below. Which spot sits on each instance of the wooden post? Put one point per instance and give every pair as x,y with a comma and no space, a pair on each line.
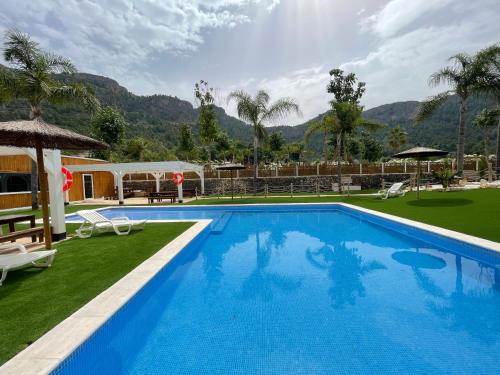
296,170
360,168
44,196
291,190
383,168
317,169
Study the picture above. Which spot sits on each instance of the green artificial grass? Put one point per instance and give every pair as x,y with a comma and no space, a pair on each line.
32,301
474,212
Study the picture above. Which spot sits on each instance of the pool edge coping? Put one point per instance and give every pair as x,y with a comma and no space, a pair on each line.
53,347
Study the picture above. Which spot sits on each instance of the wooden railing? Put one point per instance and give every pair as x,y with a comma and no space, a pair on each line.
313,170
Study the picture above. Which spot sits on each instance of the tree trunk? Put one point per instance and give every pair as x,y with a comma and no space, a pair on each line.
35,112
339,162
34,185
255,161
461,136
485,142
497,165
325,147
209,156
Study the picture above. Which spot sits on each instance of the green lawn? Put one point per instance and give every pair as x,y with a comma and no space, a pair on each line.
32,301
475,212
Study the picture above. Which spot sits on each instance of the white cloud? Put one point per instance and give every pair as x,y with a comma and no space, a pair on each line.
397,14
399,67
110,37
306,86
273,4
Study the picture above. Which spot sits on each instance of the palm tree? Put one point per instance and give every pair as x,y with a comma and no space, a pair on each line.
397,138
257,111
326,126
490,58
31,77
464,77
485,120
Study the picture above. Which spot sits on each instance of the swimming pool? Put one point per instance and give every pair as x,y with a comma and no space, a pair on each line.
306,289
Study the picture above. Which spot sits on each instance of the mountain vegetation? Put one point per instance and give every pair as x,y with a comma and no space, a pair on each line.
160,117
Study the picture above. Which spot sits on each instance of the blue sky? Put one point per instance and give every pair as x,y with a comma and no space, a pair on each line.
284,46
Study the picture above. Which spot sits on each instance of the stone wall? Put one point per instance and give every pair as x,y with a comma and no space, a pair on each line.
366,181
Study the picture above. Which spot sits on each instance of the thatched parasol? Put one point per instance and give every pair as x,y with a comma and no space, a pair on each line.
39,135
230,167
420,153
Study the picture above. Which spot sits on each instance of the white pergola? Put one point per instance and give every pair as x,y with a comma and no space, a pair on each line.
156,169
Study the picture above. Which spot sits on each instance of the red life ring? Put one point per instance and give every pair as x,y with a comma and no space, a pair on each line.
68,183
178,178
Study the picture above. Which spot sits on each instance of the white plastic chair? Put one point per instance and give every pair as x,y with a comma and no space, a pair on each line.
95,222
14,256
396,190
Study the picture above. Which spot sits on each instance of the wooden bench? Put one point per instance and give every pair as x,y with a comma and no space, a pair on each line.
31,232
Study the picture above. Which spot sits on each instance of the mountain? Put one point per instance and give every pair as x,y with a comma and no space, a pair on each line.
439,131
159,117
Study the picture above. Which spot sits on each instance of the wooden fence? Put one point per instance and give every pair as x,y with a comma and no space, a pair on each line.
313,170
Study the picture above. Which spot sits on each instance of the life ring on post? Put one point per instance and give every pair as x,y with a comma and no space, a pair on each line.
68,179
178,178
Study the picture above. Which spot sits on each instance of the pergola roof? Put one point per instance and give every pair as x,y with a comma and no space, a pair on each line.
146,167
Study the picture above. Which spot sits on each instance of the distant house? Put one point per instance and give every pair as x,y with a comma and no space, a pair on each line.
15,179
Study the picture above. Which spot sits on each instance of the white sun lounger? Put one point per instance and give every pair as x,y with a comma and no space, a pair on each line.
95,222
17,257
396,190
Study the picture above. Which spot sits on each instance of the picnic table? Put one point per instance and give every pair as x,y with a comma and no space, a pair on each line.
11,221
160,196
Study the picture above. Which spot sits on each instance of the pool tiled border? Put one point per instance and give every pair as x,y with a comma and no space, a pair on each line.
51,349
46,353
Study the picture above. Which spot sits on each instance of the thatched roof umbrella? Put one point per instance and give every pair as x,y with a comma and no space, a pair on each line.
39,135
230,167
420,153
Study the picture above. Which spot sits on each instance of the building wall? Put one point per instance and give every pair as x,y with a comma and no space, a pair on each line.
15,163
103,181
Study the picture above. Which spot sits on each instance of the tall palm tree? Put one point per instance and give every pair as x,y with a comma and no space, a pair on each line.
490,58
257,111
31,77
464,76
326,126
397,138
485,120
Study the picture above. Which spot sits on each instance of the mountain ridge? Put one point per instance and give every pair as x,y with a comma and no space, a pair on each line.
160,116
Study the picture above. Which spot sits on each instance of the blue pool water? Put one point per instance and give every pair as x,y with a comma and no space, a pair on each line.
305,290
